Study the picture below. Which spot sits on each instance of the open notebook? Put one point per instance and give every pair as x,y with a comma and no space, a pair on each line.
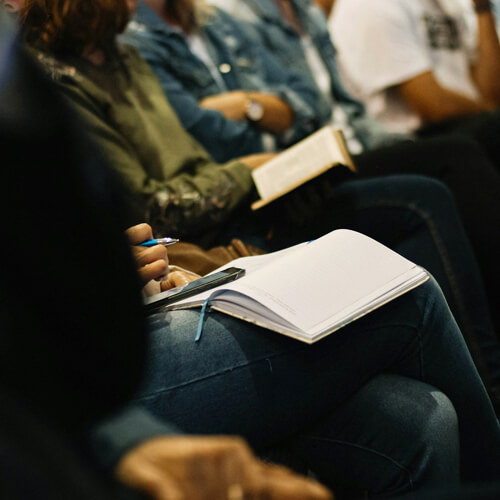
310,290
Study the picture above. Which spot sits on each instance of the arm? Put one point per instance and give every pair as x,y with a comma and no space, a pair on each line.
434,103
486,70
302,97
224,138
194,199
277,117
399,60
148,455
208,468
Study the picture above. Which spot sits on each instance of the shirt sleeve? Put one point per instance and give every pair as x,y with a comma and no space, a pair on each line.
378,43
200,196
303,98
112,438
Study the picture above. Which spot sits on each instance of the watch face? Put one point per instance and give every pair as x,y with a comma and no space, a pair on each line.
255,111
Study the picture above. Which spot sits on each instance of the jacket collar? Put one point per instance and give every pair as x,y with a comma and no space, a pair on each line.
148,20
269,11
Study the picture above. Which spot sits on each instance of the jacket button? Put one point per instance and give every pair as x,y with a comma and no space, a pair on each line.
225,68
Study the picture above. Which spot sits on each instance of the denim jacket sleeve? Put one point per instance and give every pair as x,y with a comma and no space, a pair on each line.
184,86
224,139
302,96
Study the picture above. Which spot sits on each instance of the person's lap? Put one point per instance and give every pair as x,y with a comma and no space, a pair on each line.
415,216
240,379
463,166
484,128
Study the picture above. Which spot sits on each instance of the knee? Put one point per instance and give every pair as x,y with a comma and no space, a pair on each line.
424,429
430,193
421,195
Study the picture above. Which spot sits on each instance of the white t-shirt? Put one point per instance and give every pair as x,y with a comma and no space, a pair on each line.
383,43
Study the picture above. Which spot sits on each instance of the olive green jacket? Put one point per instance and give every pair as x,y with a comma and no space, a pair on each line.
180,190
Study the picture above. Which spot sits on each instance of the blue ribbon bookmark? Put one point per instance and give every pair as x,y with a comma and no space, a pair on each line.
205,308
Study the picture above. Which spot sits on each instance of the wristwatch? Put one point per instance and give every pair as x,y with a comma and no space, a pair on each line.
254,110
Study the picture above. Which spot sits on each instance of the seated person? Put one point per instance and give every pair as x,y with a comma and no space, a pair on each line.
181,190
61,372
231,95
296,32
51,339
234,355
432,67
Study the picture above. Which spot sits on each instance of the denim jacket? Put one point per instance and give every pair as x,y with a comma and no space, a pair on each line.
244,64
284,42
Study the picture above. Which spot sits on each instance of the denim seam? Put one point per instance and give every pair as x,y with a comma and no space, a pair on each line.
245,365
448,268
366,449
441,247
216,374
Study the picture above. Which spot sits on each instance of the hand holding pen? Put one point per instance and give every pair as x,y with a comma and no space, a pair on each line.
151,257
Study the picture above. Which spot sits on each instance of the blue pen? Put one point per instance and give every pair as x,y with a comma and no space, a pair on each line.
159,241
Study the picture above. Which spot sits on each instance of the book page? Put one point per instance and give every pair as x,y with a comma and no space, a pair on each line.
316,285
312,285
301,162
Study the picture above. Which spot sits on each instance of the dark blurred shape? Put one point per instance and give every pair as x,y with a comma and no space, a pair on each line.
72,331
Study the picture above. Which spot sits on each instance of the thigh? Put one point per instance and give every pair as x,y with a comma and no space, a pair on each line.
245,380
484,128
240,379
417,217
461,164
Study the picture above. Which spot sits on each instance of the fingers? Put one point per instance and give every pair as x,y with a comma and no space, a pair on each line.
150,479
272,482
139,233
175,279
152,262
145,256
214,468
154,271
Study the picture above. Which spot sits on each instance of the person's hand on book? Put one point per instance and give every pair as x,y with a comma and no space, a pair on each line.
258,159
210,468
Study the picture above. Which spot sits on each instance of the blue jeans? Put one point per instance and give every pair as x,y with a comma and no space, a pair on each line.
463,166
392,402
417,217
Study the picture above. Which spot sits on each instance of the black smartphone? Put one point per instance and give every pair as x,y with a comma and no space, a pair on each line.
193,288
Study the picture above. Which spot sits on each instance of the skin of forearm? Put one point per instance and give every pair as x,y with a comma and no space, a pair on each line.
450,105
434,103
486,71
278,115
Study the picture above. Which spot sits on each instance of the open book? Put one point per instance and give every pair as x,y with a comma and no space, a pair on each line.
310,290
300,163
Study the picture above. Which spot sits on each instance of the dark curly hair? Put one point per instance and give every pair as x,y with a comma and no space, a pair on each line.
70,27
